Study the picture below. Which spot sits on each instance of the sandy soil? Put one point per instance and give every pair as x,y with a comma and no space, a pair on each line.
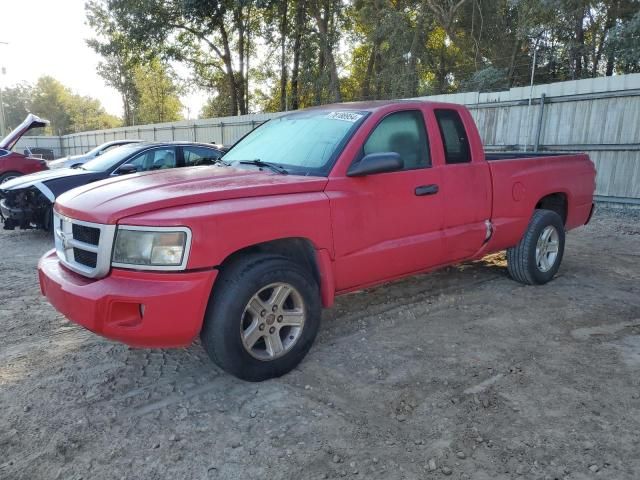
460,374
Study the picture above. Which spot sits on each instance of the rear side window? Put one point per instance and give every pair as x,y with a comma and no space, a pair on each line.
403,133
454,137
194,156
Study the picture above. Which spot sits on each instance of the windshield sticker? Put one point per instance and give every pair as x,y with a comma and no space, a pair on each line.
345,116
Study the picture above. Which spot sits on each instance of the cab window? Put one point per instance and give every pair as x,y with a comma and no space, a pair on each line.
403,133
454,137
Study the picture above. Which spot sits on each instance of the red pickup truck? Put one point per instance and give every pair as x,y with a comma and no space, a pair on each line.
316,203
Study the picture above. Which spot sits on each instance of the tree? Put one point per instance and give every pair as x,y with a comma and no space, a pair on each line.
120,57
17,103
624,48
207,36
298,53
158,93
66,111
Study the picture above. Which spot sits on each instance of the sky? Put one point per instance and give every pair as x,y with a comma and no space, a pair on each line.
47,37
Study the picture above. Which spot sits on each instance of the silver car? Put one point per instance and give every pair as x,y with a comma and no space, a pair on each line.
76,160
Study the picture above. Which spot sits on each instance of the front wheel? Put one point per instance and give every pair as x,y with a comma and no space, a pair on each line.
536,258
5,177
262,318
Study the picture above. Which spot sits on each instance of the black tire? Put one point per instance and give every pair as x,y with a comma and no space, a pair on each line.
235,286
521,259
9,175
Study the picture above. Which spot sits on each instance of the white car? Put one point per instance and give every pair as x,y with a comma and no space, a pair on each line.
76,160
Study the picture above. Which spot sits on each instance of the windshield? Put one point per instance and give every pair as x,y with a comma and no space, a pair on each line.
303,142
110,158
95,150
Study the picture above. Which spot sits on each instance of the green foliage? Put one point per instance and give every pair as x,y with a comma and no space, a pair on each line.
158,93
48,98
271,55
490,79
17,102
625,44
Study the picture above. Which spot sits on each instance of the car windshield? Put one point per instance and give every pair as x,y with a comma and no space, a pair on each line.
110,158
95,150
303,142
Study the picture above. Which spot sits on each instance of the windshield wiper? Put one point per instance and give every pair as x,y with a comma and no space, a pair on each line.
271,166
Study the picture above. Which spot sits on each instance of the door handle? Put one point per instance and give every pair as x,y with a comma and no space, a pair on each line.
427,190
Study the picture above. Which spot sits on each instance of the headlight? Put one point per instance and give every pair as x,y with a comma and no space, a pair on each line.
162,248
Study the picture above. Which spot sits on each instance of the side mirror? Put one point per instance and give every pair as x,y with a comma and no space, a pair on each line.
126,169
376,163
99,152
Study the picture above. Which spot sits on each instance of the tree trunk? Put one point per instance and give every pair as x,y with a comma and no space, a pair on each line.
283,54
366,82
297,45
326,53
442,72
379,93
231,77
417,44
240,82
578,49
512,62
610,64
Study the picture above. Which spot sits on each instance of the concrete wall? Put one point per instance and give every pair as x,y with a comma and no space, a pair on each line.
600,116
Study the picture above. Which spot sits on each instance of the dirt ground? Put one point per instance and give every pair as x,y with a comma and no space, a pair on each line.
460,374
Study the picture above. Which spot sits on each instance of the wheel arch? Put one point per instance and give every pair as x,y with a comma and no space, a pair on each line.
556,202
300,250
14,173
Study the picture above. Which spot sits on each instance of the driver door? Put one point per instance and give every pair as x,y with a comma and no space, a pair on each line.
388,225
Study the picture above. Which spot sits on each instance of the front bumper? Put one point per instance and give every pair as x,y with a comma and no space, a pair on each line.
141,309
17,214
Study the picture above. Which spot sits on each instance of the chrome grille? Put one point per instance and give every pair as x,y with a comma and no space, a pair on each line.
83,247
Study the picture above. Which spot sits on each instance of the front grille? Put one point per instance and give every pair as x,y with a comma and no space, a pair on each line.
84,247
90,235
90,259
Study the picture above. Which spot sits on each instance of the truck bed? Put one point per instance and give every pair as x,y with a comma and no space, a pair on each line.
518,185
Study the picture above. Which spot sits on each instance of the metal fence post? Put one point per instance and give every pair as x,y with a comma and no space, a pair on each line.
221,133
538,133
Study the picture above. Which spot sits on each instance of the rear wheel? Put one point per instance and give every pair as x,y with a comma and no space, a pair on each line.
537,257
262,318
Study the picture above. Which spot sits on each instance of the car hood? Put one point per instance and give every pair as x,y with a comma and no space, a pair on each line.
64,161
32,179
111,200
30,122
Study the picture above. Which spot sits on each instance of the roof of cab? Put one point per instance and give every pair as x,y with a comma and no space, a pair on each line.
374,105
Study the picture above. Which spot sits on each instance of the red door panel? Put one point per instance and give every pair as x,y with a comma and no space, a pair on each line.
382,229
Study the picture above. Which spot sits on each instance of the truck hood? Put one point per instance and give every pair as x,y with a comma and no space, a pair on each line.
111,200
30,122
32,179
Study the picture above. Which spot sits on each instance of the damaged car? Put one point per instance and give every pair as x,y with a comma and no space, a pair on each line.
14,164
26,202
